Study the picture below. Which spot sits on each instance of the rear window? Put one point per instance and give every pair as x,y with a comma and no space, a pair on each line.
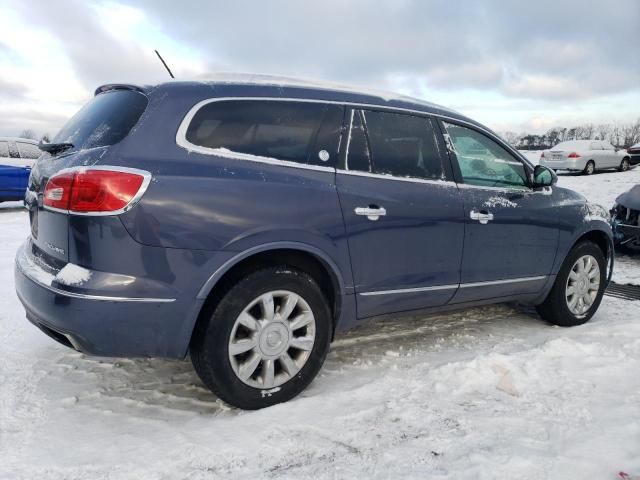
574,144
104,121
28,150
293,131
398,144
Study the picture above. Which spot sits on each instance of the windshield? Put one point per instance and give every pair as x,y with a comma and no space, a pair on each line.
574,144
104,121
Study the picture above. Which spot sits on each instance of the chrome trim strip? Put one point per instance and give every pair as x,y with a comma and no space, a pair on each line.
409,290
501,282
146,180
383,176
451,287
85,296
181,137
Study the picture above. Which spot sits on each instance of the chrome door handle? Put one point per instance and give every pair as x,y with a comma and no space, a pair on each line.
372,213
483,217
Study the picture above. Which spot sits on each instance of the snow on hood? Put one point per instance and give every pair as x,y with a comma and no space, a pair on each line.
630,199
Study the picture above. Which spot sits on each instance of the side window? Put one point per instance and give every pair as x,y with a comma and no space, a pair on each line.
4,149
274,129
400,145
13,150
484,162
358,156
28,150
595,146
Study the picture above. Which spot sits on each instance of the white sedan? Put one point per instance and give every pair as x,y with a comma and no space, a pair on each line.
586,156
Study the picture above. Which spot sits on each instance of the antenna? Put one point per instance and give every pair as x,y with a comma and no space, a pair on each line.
164,63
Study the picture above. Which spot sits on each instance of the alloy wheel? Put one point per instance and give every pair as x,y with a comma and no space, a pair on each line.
583,285
272,339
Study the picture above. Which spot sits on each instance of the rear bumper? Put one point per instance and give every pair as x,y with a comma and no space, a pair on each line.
108,324
577,164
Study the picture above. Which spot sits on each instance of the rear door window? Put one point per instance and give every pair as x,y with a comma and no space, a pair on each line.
394,144
104,121
4,149
28,150
302,132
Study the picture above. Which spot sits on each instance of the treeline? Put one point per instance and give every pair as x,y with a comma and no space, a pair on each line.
619,135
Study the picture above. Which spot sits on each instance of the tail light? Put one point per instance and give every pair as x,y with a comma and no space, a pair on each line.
97,190
573,155
542,155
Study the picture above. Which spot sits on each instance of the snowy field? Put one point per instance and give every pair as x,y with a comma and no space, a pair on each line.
487,393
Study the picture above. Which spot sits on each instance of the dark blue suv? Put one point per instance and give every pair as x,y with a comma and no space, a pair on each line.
244,223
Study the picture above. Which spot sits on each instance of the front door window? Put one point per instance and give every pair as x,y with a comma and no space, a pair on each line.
484,162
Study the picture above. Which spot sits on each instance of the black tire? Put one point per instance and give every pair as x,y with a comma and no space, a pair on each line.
554,309
589,168
209,345
624,165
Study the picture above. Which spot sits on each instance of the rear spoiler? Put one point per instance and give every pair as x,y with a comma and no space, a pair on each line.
118,86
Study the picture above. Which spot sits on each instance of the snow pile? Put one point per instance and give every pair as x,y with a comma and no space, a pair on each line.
72,274
498,201
484,393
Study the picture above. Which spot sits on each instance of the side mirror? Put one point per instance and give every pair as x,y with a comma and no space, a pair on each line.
543,176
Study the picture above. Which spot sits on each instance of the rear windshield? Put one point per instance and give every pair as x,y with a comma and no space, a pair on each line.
104,121
573,144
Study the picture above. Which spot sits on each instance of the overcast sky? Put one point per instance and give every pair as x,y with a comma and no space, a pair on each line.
512,65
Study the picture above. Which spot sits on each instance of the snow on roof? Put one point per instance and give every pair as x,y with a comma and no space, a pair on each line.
18,139
282,81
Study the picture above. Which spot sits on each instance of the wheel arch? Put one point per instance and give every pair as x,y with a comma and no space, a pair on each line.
299,255
603,240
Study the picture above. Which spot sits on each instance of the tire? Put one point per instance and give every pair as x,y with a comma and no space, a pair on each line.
624,165
589,168
211,346
555,308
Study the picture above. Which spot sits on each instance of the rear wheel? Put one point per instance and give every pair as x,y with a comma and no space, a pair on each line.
578,289
589,168
266,340
624,165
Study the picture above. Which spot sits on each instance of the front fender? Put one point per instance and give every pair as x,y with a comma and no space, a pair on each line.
591,223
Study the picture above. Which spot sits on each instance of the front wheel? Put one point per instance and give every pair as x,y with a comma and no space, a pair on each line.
266,340
578,288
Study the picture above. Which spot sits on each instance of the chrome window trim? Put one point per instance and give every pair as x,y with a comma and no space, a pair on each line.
454,286
181,134
147,177
448,183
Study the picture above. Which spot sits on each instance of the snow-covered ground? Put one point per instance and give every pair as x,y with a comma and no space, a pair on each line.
484,393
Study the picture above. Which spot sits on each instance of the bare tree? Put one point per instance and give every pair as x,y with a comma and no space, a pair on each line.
28,133
603,131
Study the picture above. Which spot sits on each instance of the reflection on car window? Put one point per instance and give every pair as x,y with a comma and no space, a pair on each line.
484,162
28,150
358,156
282,130
394,144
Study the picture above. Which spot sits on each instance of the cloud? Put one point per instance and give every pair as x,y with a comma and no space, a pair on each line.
545,49
557,53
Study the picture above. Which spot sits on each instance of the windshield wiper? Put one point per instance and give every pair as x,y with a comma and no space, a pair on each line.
54,148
